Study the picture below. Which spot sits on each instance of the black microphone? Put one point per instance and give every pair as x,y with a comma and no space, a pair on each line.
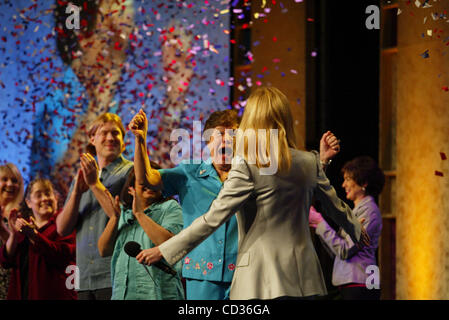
132,249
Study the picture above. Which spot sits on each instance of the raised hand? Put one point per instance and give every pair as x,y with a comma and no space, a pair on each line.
28,228
80,185
329,146
14,227
90,170
138,202
139,125
114,203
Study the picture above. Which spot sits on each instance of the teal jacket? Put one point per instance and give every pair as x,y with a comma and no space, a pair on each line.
197,186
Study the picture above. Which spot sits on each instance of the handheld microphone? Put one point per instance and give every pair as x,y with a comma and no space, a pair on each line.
132,249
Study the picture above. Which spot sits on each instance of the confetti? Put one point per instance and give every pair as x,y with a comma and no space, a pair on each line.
425,54
52,101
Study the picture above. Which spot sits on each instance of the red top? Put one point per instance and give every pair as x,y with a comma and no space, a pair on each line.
48,259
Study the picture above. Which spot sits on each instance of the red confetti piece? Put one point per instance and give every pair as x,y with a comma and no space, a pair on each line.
445,88
443,156
439,173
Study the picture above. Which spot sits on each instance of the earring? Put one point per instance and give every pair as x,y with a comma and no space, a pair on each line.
363,188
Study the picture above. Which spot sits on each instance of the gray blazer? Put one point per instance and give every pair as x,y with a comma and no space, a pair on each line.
350,264
276,256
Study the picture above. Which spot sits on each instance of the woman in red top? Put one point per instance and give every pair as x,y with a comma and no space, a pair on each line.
36,253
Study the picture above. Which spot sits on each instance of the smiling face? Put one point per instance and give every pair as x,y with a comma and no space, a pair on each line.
9,186
354,191
42,200
108,141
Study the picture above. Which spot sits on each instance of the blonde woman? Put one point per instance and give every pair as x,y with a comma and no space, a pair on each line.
11,195
272,191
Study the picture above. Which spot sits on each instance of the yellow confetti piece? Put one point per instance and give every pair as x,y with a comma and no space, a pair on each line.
211,48
264,2
224,11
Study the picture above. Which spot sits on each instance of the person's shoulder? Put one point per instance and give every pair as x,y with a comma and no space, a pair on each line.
123,166
187,166
126,163
303,153
169,204
369,206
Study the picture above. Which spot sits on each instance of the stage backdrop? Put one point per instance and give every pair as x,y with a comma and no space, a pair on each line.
170,58
422,147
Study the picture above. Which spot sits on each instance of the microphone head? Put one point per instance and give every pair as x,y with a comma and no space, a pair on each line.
132,248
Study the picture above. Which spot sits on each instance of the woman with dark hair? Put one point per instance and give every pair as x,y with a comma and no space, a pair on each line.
363,181
36,253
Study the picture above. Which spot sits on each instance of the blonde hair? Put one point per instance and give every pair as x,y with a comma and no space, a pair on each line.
11,168
268,109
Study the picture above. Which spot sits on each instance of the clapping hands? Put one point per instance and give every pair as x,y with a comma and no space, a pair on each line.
89,168
17,224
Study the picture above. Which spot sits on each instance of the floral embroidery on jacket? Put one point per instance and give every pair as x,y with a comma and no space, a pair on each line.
231,266
202,266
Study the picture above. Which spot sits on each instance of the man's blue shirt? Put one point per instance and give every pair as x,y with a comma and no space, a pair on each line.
95,271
